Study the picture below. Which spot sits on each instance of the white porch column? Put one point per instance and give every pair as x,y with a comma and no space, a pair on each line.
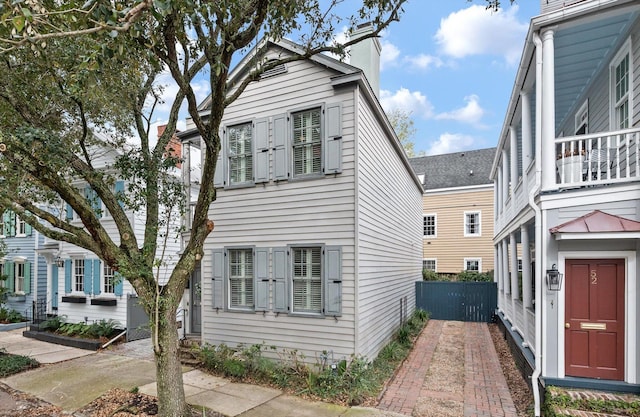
526,267
497,273
498,193
505,267
527,143
513,258
513,158
547,141
505,176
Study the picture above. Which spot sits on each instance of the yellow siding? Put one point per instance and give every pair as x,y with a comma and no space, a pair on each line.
450,247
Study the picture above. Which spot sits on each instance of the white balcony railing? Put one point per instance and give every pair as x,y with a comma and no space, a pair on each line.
598,158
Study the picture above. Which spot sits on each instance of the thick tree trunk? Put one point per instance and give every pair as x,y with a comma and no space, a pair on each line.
171,396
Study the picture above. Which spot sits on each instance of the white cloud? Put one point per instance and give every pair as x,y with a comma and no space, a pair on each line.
388,55
451,142
471,113
476,31
413,102
424,62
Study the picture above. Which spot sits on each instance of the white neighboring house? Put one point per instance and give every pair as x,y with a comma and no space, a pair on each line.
88,289
567,187
318,218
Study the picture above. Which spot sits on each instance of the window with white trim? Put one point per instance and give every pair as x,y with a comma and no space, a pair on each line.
19,270
241,278
307,279
621,79
472,264
472,223
307,142
22,226
240,153
429,225
107,278
429,264
78,275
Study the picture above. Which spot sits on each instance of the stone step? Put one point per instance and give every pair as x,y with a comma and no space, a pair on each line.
597,397
582,413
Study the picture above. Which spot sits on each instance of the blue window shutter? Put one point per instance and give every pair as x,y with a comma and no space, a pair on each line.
12,224
262,279
217,281
69,212
68,271
10,276
119,189
261,150
220,174
27,277
6,220
333,281
280,280
280,148
96,276
88,276
119,279
333,139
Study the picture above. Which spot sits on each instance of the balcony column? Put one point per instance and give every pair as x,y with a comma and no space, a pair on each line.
513,258
498,193
526,268
505,267
527,143
497,273
505,176
513,158
548,136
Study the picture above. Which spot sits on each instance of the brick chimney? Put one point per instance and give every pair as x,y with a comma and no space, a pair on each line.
366,56
174,147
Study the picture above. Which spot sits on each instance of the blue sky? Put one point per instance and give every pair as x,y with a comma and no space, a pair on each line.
449,63
452,65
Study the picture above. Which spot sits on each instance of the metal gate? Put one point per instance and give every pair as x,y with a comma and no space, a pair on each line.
462,301
137,320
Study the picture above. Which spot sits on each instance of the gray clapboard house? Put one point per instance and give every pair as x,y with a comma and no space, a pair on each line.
318,219
567,187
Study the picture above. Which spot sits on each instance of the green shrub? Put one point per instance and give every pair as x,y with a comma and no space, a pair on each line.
429,275
10,316
473,276
103,328
52,324
13,364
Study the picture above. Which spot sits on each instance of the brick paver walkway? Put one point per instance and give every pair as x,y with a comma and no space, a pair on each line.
485,389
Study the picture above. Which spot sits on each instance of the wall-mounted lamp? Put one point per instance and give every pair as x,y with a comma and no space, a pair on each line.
554,279
59,262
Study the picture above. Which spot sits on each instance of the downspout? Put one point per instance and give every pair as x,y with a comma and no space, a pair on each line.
538,228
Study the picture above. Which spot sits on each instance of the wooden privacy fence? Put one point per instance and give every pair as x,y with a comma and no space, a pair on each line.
462,301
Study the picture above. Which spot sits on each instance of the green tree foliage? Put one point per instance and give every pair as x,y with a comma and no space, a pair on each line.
402,124
80,76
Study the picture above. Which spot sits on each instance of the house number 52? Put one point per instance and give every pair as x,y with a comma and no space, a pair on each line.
594,277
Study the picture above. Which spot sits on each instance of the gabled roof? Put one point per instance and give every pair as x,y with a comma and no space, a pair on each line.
460,169
290,47
597,221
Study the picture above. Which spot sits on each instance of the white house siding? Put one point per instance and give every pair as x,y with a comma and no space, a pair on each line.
274,215
389,235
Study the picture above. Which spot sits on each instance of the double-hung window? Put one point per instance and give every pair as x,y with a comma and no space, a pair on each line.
621,78
240,153
108,278
307,280
19,286
429,225
429,264
472,223
471,264
241,278
78,275
307,142
22,226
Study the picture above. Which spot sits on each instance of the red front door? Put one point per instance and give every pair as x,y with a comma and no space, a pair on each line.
594,318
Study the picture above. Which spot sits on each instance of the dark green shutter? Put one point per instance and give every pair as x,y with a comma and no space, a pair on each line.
12,224
10,276
280,280
27,277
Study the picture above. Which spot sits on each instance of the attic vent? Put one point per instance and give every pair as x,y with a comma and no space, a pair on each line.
279,69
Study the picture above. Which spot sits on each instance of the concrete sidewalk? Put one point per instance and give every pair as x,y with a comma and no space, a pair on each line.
80,376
